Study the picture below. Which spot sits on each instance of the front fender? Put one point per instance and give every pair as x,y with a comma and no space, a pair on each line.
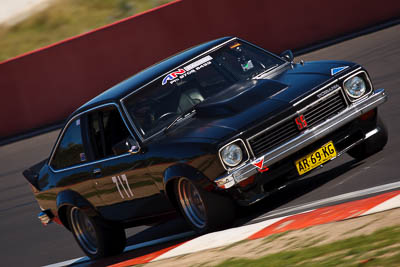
184,170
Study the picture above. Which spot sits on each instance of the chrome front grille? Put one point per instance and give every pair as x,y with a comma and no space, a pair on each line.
266,140
314,114
325,109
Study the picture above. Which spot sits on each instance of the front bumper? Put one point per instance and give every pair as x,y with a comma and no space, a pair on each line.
304,139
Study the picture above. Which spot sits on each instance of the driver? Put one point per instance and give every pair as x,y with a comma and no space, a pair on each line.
144,116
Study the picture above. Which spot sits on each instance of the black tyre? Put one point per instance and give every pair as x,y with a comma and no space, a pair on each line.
204,211
371,145
97,239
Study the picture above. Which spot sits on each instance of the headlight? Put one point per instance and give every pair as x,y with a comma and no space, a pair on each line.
232,155
355,87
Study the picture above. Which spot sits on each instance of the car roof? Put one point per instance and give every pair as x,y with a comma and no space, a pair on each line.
115,93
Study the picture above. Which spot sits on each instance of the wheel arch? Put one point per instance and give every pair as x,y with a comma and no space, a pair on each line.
69,198
173,173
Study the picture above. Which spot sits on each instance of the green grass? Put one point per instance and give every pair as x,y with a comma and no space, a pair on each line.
381,248
235,244
273,237
64,19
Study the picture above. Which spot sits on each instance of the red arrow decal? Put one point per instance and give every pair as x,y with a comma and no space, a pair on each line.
258,162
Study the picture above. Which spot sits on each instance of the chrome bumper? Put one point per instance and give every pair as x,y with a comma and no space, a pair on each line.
304,139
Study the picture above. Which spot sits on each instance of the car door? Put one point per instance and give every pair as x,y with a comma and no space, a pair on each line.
122,178
70,165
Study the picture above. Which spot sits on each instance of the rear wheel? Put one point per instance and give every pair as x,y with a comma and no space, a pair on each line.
203,210
371,145
96,238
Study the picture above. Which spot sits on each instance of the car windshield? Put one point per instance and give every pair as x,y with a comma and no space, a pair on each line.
158,104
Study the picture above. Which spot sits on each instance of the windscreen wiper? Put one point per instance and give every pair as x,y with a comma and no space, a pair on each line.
258,76
188,113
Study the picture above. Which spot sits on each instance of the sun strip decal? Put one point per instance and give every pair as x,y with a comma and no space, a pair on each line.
187,70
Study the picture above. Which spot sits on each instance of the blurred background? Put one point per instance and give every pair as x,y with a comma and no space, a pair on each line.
55,55
26,25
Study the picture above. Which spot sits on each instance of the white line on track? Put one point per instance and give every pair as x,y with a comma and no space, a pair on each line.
347,196
217,239
66,263
160,240
387,205
129,248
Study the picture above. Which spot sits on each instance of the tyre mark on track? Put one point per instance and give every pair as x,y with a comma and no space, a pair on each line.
363,169
16,206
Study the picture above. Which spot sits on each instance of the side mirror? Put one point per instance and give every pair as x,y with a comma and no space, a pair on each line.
127,145
287,55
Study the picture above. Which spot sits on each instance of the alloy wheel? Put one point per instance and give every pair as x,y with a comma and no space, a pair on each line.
84,230
192,203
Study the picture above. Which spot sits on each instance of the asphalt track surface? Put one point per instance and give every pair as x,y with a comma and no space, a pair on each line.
25,242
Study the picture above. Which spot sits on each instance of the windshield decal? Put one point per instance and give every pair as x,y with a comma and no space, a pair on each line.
234,45
172,76
187,70
247,66
198,63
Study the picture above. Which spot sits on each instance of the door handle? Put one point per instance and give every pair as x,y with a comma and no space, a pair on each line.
96,172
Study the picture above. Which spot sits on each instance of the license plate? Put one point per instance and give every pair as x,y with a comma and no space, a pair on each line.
316,158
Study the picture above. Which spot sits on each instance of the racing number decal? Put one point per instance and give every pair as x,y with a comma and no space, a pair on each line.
119,181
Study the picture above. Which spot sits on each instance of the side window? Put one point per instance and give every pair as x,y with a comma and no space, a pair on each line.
106,129
70,150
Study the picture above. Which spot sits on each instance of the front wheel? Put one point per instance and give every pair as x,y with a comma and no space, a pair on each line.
96,239
203,211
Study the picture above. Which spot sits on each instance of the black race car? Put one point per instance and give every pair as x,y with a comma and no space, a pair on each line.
222,124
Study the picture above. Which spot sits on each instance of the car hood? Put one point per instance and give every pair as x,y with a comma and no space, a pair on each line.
252,102
302,79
